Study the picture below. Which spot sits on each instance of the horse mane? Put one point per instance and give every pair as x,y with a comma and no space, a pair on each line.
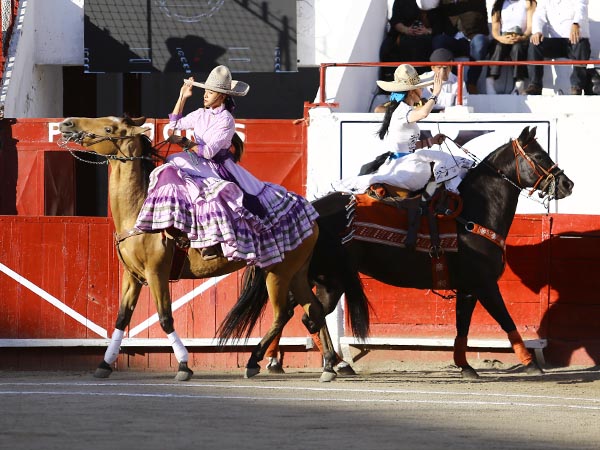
497,160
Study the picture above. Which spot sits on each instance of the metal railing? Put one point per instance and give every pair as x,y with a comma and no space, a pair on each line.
460,71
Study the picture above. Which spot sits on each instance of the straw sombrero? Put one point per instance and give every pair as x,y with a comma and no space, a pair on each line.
406,78
219,80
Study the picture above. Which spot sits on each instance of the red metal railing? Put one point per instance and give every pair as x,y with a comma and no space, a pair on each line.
459,64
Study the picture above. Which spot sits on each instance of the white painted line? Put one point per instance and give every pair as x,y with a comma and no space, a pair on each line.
55,302
510,404
177,304
251,386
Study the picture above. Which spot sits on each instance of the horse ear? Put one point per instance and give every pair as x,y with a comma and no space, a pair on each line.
138,121
532,133
524,135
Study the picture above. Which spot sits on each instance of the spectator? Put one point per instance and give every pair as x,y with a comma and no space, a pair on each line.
560,29
447,96
409,36
462,27
511,30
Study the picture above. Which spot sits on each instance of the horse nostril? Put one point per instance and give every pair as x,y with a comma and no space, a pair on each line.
67,123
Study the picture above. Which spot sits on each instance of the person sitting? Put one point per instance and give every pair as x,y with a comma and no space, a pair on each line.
408,38
511,30
203,195
410,165
462,27
560,29
447,96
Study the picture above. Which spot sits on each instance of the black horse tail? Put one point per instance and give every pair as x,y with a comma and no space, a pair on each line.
332,265
240,321
357,303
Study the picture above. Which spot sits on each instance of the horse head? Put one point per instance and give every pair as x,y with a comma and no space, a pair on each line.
105,135
524,163
542,174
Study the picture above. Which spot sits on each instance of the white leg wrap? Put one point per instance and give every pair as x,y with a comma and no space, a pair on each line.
113,348
179,349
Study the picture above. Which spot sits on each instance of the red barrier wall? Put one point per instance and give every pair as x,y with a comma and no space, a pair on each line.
59,276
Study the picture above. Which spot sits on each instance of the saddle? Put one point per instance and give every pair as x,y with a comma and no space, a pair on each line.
420,221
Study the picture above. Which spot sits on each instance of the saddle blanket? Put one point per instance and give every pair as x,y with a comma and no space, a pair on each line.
382,223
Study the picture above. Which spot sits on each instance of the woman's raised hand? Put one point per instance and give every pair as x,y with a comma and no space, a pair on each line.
186,89
437,83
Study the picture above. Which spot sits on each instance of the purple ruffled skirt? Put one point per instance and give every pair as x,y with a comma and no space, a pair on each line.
211,211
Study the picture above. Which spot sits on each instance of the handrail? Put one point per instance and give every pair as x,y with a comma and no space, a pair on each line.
459,64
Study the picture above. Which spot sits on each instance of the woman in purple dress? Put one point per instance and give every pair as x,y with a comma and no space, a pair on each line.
202,194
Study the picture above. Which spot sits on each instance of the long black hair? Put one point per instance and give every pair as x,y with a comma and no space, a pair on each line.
389,110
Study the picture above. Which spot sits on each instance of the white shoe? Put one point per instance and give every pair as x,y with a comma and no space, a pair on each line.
490,87
519,88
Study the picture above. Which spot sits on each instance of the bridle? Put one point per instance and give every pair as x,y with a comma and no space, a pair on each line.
546,181
80,136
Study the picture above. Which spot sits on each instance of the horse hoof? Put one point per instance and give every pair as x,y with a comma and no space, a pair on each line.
327,377
103,371
251,371
468,373
184,373
275,369
346,370
533,369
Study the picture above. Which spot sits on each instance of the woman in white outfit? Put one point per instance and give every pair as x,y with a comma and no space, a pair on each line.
409,166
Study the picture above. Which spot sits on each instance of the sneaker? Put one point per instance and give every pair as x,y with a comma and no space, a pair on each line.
576,90
533,89
519,87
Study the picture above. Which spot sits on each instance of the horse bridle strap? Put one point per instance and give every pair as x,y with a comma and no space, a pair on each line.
545,178
482,231
78,139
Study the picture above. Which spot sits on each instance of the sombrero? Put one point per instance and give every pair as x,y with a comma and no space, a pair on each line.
406,78
219,80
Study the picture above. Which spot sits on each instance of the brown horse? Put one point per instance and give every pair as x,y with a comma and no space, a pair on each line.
147,257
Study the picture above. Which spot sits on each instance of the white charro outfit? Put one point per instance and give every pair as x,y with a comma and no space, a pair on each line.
412,170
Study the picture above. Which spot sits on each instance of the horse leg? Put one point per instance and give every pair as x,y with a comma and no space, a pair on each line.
131,292
465,305
329,354
278,287
159,288
495,306
274,357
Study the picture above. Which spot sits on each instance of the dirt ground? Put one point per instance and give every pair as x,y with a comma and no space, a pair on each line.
418,406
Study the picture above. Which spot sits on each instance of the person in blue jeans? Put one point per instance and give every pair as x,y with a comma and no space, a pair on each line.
461,26
560,29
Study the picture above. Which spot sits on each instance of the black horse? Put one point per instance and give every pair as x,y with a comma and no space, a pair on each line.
490,193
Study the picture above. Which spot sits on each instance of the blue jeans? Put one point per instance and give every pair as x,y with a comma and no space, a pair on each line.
475,49
557,48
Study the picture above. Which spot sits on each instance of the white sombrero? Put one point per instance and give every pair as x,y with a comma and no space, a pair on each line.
219,80
406,78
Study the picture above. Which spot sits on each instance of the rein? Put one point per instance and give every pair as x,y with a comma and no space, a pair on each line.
546,182
78,138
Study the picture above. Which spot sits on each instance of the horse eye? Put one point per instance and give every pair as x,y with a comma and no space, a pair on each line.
108,129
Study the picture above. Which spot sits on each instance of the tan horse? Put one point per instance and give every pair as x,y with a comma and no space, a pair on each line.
147,257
